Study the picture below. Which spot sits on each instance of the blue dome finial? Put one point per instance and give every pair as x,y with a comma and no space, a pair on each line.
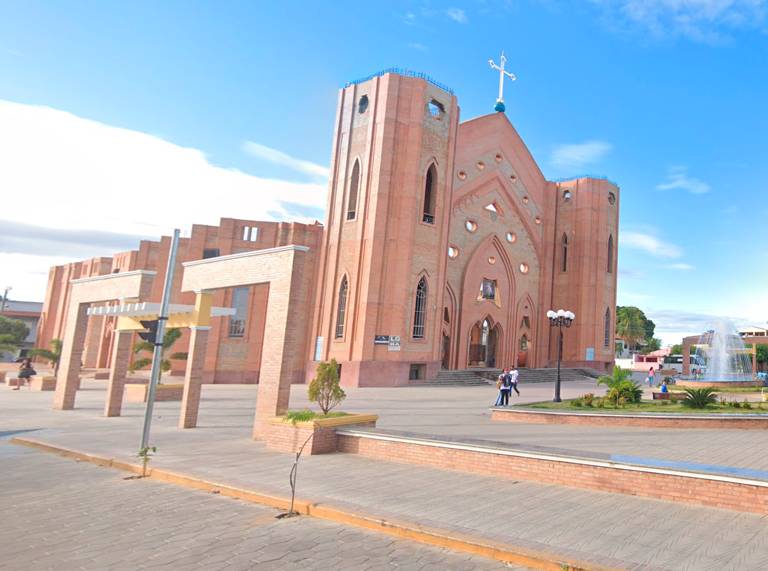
499,106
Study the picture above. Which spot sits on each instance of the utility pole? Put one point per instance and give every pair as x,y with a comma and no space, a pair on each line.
4,305
157,356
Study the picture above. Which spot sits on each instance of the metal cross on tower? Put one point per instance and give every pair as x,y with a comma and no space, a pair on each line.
500,101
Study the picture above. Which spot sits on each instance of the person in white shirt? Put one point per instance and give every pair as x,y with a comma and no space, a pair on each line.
513,376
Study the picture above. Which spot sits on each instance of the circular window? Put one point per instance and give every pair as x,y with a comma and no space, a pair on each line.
525,200
499,158
362,105
611,198
524,268
538,220
511,237
567,195
462,175
453,252
491,260
480,165
512,177
470,225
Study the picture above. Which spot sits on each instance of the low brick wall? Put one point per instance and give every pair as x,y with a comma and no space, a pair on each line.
137,392
284,436
646,421
670,485
43,383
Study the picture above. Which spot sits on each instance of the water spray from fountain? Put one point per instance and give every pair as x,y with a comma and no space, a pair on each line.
721,355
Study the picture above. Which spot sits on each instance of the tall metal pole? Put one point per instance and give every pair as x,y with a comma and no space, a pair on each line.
157,356
559,357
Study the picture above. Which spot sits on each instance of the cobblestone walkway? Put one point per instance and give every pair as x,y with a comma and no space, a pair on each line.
64,515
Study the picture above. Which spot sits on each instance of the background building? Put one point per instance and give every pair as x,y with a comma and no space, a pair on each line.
28,312
444,247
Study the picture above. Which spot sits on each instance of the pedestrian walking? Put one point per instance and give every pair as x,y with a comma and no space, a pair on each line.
25,372
651,377
506,387
514,375
499,382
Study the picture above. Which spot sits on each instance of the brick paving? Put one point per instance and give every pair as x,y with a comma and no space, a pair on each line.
60,514
593,526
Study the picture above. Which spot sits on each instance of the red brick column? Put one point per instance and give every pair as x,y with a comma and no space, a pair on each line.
92,342
71,355
284,327
121,357
193,378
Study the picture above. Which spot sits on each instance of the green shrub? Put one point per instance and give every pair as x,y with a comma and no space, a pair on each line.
700,398
578,402
588,399
600,402
746,404
665,403
620,386
324,388
300,415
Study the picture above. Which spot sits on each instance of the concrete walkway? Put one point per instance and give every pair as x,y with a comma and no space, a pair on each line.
592,526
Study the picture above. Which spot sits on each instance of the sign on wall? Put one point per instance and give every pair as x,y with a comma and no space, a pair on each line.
590,354
381,340
394,343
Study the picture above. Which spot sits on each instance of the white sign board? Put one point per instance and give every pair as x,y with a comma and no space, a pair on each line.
394,343
318,349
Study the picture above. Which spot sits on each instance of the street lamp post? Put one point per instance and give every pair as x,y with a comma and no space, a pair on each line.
559,319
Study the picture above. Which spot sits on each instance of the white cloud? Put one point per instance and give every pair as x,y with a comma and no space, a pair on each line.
457,15
280,158
678,178
69,173
579,155
649,244
680,266
418,46
672,325
409,18
706,21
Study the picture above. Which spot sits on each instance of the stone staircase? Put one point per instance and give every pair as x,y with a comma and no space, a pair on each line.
477,376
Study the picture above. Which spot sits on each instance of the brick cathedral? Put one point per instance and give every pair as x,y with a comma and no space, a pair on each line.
443,248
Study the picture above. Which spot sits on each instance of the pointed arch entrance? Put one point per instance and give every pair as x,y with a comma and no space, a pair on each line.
484,343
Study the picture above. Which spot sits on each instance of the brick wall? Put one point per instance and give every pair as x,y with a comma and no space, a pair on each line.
723,493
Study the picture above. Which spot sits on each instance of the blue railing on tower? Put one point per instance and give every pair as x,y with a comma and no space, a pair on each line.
404,72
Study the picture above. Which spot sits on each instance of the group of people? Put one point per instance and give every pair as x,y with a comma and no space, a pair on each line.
506,383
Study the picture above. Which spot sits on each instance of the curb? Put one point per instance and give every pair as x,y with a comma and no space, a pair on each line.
414,532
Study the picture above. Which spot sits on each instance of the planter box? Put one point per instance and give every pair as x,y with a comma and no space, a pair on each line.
282,435
137,392
43,383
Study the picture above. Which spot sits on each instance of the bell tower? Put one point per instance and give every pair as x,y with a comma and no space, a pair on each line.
383,258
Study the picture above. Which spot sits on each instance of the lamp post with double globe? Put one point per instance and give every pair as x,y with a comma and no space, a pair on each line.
558,319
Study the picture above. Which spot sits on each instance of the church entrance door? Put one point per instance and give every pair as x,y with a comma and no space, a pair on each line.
446,350
483,340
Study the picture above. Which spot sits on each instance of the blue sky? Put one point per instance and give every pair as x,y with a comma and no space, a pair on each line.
236,100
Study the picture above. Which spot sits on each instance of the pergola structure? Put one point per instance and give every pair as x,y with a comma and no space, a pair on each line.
282,268
706,339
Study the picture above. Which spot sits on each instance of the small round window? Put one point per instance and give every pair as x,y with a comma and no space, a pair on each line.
511,237
525,200
537,220
498,157
480,165
611,198
453,252
462,175
567,195
362,105
524,268
491,260
470,225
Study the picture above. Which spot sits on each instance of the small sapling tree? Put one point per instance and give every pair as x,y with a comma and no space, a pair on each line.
324,388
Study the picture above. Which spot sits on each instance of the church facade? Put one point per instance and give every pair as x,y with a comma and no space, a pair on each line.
443,248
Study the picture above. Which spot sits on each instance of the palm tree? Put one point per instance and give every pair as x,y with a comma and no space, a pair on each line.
169,338
52,355
630,328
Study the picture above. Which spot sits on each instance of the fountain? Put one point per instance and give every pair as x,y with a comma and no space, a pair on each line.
721,360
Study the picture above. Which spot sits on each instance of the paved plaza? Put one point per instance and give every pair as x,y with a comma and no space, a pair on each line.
59,514
616,530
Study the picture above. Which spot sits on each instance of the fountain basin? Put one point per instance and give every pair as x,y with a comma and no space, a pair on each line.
714,384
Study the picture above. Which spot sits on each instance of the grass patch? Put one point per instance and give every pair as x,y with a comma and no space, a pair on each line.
720,390
306,415
646,406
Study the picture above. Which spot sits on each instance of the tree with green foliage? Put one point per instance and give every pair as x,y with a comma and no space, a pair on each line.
652,345
12,334
629,326
169,338
52,355
325,389
676,349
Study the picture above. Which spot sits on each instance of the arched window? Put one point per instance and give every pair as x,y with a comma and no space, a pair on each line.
524,343
610,254
446,315
420,310
565,252
607,328
354,188
429,195
341,308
